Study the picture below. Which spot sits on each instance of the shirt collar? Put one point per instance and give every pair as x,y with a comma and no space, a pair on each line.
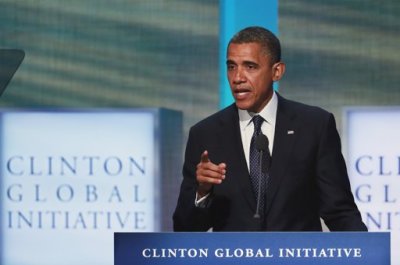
268,113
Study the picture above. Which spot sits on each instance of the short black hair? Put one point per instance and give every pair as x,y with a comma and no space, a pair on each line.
269,42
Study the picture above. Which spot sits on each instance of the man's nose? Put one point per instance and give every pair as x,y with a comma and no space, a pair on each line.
239,77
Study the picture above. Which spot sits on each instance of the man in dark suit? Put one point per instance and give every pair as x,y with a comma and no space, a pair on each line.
301,175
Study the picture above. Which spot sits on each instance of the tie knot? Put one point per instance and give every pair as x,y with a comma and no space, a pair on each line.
257,120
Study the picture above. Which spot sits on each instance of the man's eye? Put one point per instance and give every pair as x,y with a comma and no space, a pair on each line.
251,66
231,67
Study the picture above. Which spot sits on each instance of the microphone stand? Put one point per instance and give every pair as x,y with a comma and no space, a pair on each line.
257,214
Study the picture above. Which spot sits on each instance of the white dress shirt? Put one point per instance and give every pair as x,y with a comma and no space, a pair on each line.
267,127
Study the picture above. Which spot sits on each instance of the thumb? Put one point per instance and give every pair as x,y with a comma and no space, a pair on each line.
204,157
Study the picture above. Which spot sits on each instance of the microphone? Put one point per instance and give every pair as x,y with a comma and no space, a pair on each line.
261,144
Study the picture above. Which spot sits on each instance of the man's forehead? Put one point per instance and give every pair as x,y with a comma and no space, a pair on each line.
246,51
253,45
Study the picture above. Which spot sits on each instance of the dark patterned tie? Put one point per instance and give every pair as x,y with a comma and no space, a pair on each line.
257,177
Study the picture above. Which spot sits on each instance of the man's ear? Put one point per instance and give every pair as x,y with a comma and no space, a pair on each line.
278,70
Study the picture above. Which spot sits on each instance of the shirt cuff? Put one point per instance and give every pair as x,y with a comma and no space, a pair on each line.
202,202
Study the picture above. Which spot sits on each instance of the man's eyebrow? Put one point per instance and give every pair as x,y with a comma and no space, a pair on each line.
244,62
249,63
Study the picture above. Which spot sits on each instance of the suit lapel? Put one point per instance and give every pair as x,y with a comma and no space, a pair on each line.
231,141
284,138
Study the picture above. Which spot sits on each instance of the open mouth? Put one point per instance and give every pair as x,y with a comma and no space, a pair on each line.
241,92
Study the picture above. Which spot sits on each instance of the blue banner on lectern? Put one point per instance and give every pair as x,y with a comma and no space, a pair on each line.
298,248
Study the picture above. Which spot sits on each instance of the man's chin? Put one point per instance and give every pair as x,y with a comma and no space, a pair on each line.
243,106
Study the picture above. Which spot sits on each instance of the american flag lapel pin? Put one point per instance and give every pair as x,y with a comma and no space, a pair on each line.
290,132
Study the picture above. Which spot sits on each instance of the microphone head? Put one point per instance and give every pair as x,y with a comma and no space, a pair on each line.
261,142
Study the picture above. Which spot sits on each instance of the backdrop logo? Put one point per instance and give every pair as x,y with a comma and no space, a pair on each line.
377,180
72,179
62,171
373,154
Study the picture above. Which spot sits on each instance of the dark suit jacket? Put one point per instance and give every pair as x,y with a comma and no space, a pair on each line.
308,177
